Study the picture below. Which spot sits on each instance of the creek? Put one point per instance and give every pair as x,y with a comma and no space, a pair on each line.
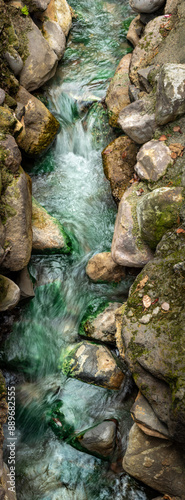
69,182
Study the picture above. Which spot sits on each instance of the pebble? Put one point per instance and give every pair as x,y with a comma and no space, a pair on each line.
165,306
145,319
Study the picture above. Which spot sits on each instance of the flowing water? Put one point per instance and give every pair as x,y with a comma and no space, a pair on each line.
69,182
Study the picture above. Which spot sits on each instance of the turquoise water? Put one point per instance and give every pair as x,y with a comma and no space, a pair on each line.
69,182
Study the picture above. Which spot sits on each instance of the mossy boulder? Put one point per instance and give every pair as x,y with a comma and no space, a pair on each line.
48,233
117,95
157,212
9,294
119,158
41,126
154,338
94,364
102,327
16,201
7,120
128,248
145,50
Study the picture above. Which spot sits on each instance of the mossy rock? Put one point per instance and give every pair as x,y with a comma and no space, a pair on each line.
48,234
154,339
7,120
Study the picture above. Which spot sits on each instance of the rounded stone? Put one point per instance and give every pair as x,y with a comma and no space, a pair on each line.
146,6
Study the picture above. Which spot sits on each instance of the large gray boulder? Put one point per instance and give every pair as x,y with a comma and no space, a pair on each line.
40,126
138,121
55,37
152,160
170,96
147,6
128,249
157,463
94,364
157,212
41,62
17,202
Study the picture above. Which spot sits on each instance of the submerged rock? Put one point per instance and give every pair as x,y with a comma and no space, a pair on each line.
170,95
157,212
159,464
41,126
152,160
138,121
17,212
119,158
100,439
103,326
117,97
9,294
101,267
128,249
48,233
146,5
41,62
93,364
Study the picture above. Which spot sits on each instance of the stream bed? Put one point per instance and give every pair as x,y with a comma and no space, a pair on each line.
69,182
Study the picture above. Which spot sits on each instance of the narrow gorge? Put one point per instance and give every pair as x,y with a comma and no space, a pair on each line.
92,250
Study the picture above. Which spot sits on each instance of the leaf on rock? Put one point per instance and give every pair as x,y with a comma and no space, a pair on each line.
180,230
141,284
176,148
163,138
147,301
177,129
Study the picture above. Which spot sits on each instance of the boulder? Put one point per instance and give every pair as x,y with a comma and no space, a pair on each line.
157,212
119,158
41,126
145,50
41,62
11,154
93,364
55,37
146,6
146,419
103,326
117,97
101,267
100,439
59,11
7,120
155,350
48,233
153,159
157,463
9,294
17,202
128,249
170,95
134,31
138,121
171,6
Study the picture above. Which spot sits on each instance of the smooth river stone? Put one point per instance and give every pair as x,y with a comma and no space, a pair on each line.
147,6
100,439
9,294
101,267
152,160
93,364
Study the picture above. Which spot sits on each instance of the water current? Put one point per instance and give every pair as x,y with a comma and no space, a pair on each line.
69,182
